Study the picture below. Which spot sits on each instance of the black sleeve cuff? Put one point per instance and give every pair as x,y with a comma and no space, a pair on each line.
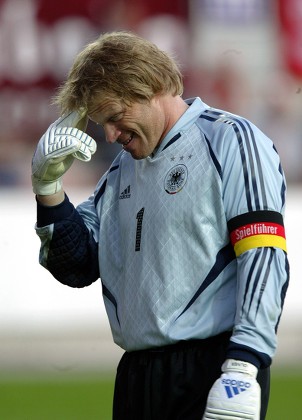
247,354
47,215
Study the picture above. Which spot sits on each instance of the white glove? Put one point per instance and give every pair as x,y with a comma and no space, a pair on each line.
58,147
236,394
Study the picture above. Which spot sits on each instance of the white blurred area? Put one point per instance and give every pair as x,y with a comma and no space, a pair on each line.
244,56
47,326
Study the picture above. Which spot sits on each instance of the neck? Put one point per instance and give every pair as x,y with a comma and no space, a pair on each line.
173,107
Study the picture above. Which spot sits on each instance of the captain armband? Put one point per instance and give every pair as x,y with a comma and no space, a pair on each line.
257,229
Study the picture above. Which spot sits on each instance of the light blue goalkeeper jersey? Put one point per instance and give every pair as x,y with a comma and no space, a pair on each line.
166,264
191,239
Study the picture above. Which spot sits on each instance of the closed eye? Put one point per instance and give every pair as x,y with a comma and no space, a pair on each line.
116,117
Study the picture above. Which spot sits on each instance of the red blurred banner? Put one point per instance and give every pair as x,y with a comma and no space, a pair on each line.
290,18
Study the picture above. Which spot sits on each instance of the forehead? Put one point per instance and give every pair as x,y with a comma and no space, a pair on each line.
106,105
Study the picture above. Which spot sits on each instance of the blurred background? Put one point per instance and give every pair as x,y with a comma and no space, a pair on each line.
244,56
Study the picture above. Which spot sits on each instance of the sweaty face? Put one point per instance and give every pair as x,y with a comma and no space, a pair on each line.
139,128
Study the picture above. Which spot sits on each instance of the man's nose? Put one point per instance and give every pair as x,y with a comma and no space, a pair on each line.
111,132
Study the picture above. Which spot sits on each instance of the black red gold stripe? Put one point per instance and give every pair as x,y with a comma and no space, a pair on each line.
257,229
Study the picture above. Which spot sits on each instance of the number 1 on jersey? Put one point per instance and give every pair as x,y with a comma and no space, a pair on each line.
139,225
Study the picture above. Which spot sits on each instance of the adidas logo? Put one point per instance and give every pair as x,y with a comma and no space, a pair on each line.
233,387
125,194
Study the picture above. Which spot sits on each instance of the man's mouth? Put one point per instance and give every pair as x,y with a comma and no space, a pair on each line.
126,142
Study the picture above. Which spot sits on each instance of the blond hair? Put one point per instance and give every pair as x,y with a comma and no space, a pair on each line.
118,65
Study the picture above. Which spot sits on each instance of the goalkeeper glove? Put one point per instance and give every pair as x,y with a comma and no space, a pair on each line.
236,394
63,141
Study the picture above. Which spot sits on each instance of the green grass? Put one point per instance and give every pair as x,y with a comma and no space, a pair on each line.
286,391
68,398
90,397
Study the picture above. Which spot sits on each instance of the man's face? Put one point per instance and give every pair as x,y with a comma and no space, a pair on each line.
139,128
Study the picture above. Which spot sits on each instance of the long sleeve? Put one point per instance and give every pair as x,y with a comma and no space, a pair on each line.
68,250
254,196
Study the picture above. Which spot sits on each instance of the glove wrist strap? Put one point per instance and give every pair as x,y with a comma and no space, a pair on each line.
239,366
46,187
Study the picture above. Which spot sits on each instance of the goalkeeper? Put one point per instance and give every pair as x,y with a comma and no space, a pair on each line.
185,232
